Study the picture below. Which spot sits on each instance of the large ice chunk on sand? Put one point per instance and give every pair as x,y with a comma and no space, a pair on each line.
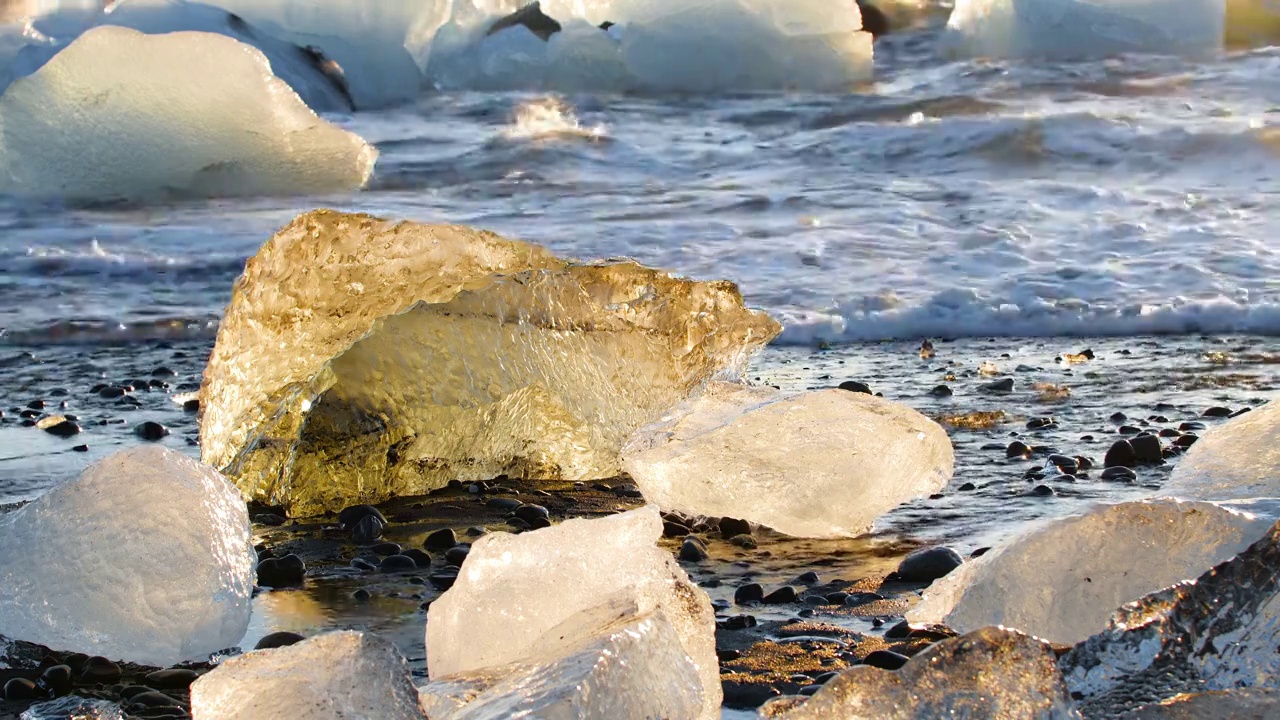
335,676
820,464
1083,29
1217,632
146,557
1237,460
122,115
1062,580
631,667
514,589
990,673
361,359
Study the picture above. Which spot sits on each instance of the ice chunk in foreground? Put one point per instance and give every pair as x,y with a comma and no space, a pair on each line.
361,359
343,675
1218,632
146,557
1243,704
122,115
819,464
1237,460
1062,580
632,667
991,673
514,589
1083,29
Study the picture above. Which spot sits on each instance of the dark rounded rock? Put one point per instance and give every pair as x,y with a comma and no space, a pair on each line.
941,391
1119,474
76,661
745,542
398,564
1119,418
750,593
899,631
163,371
111,392
1192,426
861,598
1017,449
809,578
781,596
475,531
503,504
999,386
1043,491
1146,449
191,406
928,564
442,539
885,659
368,529
1040,423
419,557
172,679
21,689
692,550
673,529
152,698
354,514
1169,433
1186,441
361,595
57,679
443,580
457,555
386,549
36,405
539,523
280,639
518,524
287,571
1064,464
128,691
855,386
100,670
1128,430
1084,463
1120,454
530,513
64,429
151,431
80,448
730,527
967,487
1216,412
739,622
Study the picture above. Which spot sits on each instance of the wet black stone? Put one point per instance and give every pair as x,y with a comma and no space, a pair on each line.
1146,449
361,595
283,638
98,669
352,515
28,422
738,622
899,631
1040,423
1084,463
442,580
727,655
518,524
1192,426
172,679
837,598
191,406
999,386
1120,454
1186,441
503,504
730,527
21,689
386,549
860,598
692,550
29,414
475,531
530,513
531,17
269,519
111,392
1241,411
967,487
745,542
809,578
57,679
781,596
442,539
1043,491
75,661
929,564
750,593
419,557
151,431
36,404
885,659
1119,474
153,699
855,386
980,552
368,529
539,523
673,529
128,691
1017,448
1119,418
1216,412
397,564
287,571
64,429
1064,463
162,371
1128,430
457,555
941,391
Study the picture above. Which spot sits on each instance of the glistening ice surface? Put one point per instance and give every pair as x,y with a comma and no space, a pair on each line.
145,557
1062,581
361,360
1236,461
818,464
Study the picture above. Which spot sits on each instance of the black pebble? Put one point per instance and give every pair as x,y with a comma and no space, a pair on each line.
781,596
153,699
504,504
1043,491
1017,449
352,515
860,598
929,564
692,550
457,555
98,669
398,563
809,578
443,580
442,539
64,429
20,689
673,529
941,391
280,639
1119,474
162,371
1216,412
885,659
532,513
967,487
151,431
1128,430
751,593
174,679
57,679
1120,454
386,549
730,527
999,386
368,529
1192,426
420,557
1146,449
281,572
191,406
36,404
1040,423
111,392
855,386
899,631
738,622
1186,441
361,595
518,524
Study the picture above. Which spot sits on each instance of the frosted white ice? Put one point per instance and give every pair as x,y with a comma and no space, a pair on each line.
632,667
1062,580
123,115
1083,29
146,557
1237,460
513,589
820,464
344,675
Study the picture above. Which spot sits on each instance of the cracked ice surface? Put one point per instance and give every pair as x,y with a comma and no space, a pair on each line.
1237,460
632,666
361,359
146,557
818,464
514,590
1217,632
335,676
990,673
1062,580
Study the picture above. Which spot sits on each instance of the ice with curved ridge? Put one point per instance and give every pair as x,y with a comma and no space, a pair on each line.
819,464
515,589
146,557
409,355
1084,29
1237,460
120,115
1062,580
335,676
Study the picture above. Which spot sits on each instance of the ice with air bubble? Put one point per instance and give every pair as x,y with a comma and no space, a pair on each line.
146,557
609,662
516,593
335,676
1237,460
825,463
1062,579
120,115
1084,29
